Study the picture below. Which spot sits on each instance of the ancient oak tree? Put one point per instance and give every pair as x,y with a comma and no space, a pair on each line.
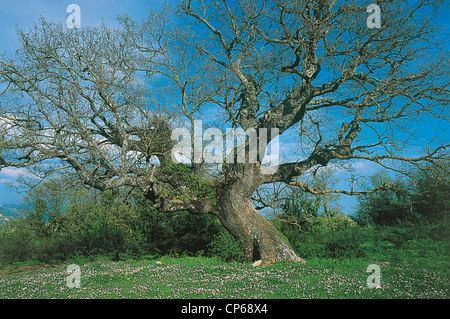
103,102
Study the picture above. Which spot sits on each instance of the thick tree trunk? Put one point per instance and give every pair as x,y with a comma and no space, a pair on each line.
261,241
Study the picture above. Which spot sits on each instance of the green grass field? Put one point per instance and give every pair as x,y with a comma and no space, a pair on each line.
199,277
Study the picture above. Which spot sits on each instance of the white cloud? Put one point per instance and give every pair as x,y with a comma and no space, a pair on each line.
12,173
362,167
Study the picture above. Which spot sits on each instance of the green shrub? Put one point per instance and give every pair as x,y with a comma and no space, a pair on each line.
178,233
93,224
426,247
226,247
17,244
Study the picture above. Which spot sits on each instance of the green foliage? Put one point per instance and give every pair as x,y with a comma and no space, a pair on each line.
179,233
201,188
88,223
349,240
226,247
431,192
16,244
314,235
69,223
424,198
387,206
322,241
301,211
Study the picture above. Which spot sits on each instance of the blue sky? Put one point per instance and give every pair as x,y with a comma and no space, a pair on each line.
22,13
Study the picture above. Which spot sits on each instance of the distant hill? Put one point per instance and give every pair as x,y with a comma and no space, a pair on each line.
9,211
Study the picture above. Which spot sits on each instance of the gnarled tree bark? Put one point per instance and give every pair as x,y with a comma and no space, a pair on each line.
260,239
238,215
